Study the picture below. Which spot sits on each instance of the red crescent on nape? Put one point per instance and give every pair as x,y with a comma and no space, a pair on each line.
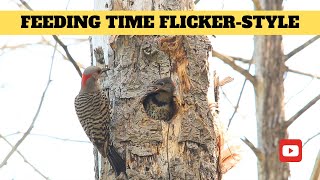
85,77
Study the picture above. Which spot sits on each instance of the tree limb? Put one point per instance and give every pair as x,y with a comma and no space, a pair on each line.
14,148
303,73
228,60
301,111
25,159
255,150
301,47
257,5
247,61
55,37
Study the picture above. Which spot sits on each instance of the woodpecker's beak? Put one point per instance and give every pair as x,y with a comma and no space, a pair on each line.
154,87
104,70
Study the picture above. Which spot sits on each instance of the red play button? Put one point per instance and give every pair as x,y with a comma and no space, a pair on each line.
290,150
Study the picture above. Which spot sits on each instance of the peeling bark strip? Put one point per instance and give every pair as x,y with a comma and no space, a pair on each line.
173,46
184,148
99,55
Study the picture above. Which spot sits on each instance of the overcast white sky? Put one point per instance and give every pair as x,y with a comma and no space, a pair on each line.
24,73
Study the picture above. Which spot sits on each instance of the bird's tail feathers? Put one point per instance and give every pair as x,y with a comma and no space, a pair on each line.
116,161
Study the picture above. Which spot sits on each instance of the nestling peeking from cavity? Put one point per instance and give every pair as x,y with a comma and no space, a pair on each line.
158,101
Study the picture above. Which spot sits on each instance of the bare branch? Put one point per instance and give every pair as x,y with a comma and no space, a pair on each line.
5,48
303,73
55,37
238,102
255,150
13,47
14,148
225,95
257,5
12,134
65,48
48,136
228,60
311,138
26,5
304,109
247,61
25,159
316,169
61,139
304,88
48,43
301,47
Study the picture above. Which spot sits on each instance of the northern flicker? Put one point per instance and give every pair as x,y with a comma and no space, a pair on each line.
92,108
158,101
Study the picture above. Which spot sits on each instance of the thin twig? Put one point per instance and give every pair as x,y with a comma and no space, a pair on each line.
255,150
257,4
14,148
304,88
225,95
61,139
301,47
65,48
48,136
303,73
301,111
311,139
238,102
12,134
228,60
25,159
13,47
55,37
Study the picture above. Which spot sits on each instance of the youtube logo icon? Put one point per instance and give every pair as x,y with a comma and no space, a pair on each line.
290,150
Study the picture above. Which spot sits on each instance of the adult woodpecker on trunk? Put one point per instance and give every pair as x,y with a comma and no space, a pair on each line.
92,108
158,101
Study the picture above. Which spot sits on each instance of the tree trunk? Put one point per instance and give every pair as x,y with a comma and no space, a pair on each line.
186,146
269,90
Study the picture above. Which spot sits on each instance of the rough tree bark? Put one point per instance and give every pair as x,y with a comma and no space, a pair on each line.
184,148
269,91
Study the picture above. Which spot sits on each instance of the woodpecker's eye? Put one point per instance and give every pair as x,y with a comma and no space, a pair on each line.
160,83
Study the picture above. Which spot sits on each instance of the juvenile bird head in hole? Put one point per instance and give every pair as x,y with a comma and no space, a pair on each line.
158,101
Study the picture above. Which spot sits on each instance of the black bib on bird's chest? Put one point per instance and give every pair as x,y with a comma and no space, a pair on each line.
159,105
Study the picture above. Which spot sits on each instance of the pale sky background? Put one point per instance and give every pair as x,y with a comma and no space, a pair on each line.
24,74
